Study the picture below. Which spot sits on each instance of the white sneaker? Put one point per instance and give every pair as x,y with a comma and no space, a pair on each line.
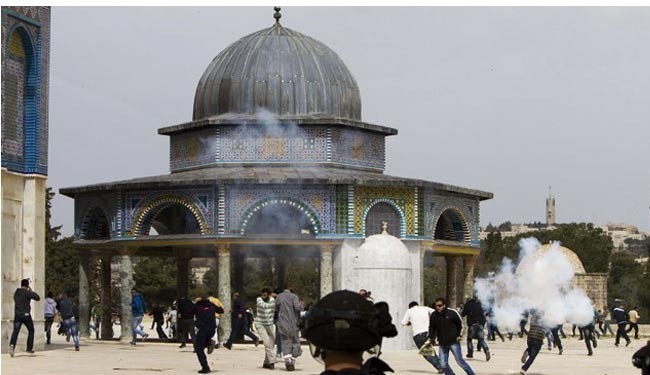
522,372
12,350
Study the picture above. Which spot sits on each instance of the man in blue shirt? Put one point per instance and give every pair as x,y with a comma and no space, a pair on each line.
138,307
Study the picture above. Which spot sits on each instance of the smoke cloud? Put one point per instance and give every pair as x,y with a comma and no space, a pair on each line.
541,282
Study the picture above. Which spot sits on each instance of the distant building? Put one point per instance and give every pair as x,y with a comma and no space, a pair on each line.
620,232
517,229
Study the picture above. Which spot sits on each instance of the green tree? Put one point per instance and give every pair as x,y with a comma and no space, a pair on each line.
628,282
590,243
155,278
61,258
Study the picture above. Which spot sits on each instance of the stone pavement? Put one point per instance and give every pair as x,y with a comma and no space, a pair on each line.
100,357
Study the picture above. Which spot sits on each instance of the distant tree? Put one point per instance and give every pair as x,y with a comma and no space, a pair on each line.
628,281
639,248
155,278
505,227
61,258
490,228
211,279
493,249
590,243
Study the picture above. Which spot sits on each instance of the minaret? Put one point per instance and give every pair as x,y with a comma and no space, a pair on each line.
550,208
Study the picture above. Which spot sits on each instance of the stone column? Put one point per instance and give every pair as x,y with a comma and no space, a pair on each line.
468,272
84,286
452,277
326,269
182,274
107,302
223,251
126,283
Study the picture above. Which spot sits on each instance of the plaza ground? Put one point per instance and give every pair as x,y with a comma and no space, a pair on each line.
111,357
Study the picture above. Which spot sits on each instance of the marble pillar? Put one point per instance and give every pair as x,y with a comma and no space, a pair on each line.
84,291
326,269
107,302
126,283
452,277
224,294
468,276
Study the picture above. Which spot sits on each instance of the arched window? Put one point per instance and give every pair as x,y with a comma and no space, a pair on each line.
451,226
383,212
20,118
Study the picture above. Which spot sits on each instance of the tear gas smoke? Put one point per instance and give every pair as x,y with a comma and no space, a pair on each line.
541,282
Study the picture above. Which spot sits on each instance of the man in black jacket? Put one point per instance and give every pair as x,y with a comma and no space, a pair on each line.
446,326
475,325
22,315
185,320
621,317
206,323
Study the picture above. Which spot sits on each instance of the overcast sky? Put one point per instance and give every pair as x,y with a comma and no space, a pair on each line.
505,100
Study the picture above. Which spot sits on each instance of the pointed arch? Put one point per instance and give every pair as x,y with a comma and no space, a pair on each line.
95,224
451,225
290,204
388,202
149,210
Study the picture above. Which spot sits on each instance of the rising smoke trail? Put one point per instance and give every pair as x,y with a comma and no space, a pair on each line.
542,281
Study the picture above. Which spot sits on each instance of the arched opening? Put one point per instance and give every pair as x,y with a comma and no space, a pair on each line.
277,265
378,214
451,226
20,122
280,218
171,218
95,225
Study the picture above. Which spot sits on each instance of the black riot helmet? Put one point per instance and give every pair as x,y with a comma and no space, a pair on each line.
346,321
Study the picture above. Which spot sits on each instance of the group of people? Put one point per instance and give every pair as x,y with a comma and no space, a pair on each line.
340,328
63,307
444,325
276,323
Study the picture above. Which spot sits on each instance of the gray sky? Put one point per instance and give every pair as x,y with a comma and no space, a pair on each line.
506,100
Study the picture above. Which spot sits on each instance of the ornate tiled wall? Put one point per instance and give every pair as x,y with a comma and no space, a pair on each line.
436,204
358,148
318,199
202,199
286,144
253,144
25,36
193,149
402,198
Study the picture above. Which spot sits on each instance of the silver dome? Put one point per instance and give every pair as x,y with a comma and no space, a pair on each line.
282,71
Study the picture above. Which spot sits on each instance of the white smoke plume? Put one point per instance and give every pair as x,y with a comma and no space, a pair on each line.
541,282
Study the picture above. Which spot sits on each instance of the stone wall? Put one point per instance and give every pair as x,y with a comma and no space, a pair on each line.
594,286
23,249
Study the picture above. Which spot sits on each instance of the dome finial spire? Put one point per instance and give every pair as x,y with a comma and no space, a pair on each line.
277,14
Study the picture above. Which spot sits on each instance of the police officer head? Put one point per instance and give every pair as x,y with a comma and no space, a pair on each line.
344,324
